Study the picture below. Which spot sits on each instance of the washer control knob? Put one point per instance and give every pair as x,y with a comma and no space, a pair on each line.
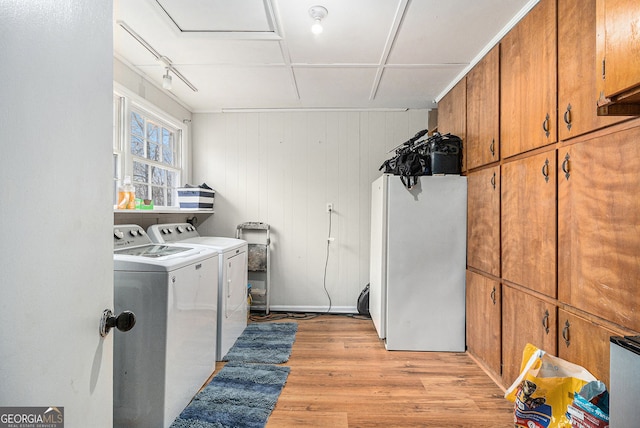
118,234
123,322
180,229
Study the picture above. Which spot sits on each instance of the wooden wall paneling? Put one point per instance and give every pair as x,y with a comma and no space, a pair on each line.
528,67
598,224
483,111
483,218
525,319
452,115
528,225
577,79
584,343
484,312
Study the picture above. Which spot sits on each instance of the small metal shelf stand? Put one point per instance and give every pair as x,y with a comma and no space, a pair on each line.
258,237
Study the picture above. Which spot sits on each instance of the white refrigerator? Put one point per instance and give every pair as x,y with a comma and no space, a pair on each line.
418,261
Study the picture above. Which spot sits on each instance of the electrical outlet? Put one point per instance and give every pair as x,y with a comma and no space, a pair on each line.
329,207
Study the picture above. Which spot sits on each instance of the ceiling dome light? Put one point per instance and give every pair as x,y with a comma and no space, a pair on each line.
318,13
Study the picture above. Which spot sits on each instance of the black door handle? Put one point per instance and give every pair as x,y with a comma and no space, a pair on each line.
123,322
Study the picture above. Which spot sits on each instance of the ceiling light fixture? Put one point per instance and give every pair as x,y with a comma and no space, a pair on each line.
318,13
166,79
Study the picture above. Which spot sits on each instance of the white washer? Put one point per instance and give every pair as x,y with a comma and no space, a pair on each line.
232,292
170,353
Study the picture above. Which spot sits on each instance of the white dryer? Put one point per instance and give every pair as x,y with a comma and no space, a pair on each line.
170,353
232,282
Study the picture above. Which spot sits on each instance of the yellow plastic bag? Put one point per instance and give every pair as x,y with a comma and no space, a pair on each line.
544,389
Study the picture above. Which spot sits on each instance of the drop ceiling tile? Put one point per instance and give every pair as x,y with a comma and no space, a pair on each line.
236,87
354,32
414,87
452,31
333,86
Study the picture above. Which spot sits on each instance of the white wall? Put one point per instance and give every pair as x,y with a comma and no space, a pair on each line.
282,168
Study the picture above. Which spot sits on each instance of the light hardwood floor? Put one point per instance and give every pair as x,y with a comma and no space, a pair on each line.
342,376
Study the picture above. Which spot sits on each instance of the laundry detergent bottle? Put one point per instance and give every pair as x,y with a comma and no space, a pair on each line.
126,195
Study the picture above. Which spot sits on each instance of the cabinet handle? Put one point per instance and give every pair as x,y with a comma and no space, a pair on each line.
565,333
567,117
545,170
493,295
565,166
492,147
545,321
545,126
493,181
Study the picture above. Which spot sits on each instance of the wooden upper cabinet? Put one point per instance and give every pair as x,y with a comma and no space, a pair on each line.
483,112
528,66
483,220
577,81
621,50
528,223
599,226
484,311
452,115
525,319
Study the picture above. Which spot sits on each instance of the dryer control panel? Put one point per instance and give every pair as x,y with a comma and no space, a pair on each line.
172,232
129,235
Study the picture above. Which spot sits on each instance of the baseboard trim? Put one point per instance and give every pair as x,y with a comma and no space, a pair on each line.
315,309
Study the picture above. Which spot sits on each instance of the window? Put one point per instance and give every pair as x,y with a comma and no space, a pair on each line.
153,149
147,147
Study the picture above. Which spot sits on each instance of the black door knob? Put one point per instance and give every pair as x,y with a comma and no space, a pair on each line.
123,322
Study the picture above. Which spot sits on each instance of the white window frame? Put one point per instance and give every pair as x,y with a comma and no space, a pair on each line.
129,101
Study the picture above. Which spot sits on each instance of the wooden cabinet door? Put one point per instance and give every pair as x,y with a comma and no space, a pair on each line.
483,220
528,82
577,80
483,111
622,46
599,226
529,222
483,319
525,319
452,115
584,343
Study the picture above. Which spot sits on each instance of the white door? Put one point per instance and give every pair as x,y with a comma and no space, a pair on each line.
56,207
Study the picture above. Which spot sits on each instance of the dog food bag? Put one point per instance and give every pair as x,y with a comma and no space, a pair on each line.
544,389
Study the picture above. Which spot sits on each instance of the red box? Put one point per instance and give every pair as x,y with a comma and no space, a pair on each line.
582,419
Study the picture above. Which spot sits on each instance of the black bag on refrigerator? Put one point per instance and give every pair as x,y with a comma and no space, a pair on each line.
446,154
363,301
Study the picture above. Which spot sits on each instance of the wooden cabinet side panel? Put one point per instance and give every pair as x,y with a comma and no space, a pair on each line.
622,45
528,225
483,220
528,83
483,114
524,320
452,115
599,227
588,344
578,90
484,319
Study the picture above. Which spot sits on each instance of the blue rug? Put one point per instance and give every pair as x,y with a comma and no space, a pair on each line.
268,342
240,395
